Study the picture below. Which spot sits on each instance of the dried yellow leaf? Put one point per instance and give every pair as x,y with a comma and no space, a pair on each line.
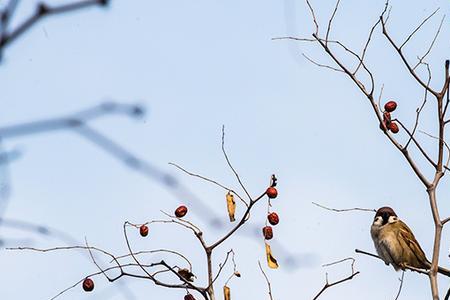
271,261
231,205
226,293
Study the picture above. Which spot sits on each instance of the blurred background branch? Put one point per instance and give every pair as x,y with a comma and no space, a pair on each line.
8,35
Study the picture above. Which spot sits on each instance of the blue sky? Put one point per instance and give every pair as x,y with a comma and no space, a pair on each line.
196,66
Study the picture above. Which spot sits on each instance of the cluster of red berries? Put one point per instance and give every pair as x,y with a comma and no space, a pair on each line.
272,217
180,212
387,123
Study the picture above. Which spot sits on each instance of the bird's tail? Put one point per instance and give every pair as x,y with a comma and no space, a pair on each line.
444,271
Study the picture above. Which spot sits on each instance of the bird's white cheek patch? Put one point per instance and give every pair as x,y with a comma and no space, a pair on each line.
392,219
378,221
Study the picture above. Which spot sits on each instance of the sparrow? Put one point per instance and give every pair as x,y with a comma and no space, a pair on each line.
186,274
395,243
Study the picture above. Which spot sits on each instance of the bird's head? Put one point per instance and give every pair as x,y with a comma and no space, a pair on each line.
384,215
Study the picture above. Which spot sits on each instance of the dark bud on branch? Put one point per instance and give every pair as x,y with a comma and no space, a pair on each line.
103,2
42,9
273,181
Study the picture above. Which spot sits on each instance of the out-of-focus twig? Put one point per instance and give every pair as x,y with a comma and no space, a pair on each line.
42,10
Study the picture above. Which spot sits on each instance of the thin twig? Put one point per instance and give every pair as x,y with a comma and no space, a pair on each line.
269,287
321,65
444,143
344,209
424,153
313,16
431,45
209,180
419,110
331,20
231,166
340,261
222,265
401,286
418,27
235,271
158,251
403,58
41,11
379,98
328,285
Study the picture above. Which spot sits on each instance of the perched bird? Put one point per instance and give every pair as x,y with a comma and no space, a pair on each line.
186,274
395,243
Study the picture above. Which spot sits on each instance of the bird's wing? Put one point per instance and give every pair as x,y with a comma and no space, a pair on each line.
406,234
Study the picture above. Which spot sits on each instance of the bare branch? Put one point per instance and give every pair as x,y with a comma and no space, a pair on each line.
444,143
401,286
341,261
329,285
231,166
431,45
369,94
313,17
321,65
379,99
344,209
241,222
223,264
269,287
211,181
419,110
158,251
186,283
406,267
447,296
235,271
331,20
418,28
41,11
403,58
366,46
424,153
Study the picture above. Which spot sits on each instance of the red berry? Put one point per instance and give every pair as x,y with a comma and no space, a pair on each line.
143,230
267,232
88,285
181,211
393,127
390,106
273,218
272,192
189,297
